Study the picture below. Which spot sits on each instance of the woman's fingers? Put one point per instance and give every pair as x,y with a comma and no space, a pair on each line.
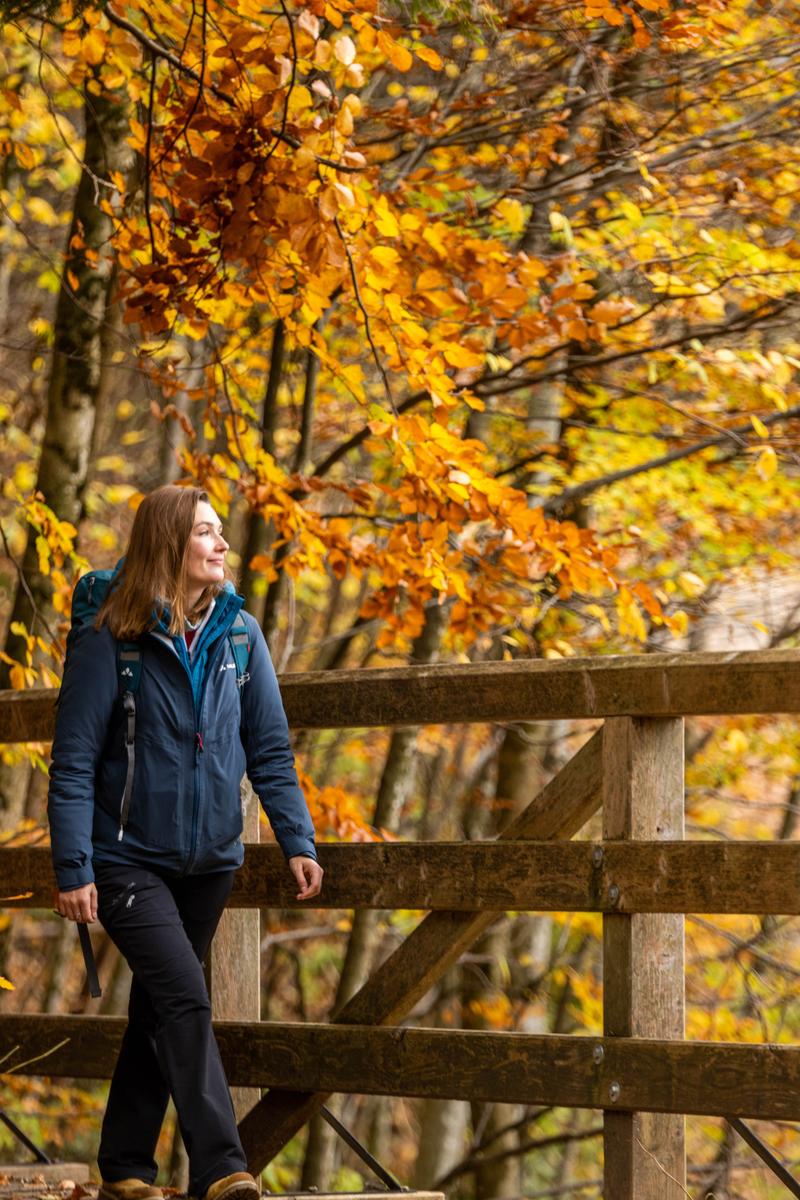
308,874
314,878
80,904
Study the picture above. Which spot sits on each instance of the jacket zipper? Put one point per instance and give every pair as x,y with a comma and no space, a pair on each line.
198,750
198,747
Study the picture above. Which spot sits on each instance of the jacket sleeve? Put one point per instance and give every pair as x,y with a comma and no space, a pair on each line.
270,761
85,705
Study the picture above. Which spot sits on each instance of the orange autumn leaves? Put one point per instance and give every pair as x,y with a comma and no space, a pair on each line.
453,532
268,196
258,195
248,154
469,537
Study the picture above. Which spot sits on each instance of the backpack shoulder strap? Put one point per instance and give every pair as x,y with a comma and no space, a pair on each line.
129,673
239,638
129,666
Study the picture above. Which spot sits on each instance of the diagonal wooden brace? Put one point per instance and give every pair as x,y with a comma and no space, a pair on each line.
440,939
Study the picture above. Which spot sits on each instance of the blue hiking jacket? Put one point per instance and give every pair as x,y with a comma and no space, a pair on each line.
197,733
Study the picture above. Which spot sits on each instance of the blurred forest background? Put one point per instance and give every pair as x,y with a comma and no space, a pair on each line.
478,319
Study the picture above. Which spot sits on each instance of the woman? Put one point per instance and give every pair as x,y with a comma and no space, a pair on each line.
146,835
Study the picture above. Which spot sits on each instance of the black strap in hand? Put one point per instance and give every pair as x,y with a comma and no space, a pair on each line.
88,957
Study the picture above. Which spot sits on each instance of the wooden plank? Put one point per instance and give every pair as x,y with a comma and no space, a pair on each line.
652,877
643,955
622,685
234,962
651,1074
26,1179
28,716
752,681
560,810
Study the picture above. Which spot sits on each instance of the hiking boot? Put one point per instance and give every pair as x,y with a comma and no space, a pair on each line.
239,1186
129,1189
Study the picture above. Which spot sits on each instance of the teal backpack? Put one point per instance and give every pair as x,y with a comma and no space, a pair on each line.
90,592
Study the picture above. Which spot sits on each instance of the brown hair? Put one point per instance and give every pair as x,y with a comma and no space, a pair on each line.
154,572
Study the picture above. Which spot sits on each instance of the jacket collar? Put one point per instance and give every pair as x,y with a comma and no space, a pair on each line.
219,619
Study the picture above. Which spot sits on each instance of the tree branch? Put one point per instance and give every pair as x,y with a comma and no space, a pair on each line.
737,324
476,1161
367,328
556,504
160,51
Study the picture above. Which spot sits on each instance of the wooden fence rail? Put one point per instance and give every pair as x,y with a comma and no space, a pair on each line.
642,876
608,877
653,685
707,1078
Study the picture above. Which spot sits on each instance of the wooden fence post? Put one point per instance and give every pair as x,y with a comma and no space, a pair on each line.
643,953
234,964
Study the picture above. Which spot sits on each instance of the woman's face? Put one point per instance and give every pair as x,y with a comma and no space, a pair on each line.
205,562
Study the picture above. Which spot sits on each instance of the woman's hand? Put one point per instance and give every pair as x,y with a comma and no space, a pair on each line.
80,904
308,874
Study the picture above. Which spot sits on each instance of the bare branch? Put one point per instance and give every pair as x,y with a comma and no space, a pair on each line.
376,356
556,504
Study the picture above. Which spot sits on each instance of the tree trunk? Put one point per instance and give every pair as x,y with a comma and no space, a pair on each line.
77,360
258,534
504,1177
302,454
74,383
173,436
529,755
396,781
443,1123
59,964
10,255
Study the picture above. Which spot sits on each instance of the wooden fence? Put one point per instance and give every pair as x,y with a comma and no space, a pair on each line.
641,876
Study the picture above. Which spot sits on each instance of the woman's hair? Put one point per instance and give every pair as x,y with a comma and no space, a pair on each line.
154,572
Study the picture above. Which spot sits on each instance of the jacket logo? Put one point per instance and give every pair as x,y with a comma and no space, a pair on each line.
228,667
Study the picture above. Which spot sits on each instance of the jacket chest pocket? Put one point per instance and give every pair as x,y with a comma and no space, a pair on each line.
158,815
224,766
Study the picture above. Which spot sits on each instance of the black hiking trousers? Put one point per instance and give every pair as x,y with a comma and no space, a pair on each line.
163,925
